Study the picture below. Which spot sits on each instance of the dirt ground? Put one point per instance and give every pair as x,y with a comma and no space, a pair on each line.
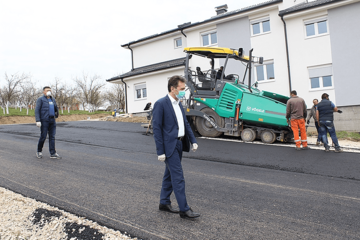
125,119
62,118
67,118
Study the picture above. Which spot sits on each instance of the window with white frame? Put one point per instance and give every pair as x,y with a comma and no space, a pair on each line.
209,38
320,77
316,27
178,42
260,26
140,91
265,71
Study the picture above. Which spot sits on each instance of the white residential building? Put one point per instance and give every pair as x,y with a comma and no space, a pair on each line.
308,46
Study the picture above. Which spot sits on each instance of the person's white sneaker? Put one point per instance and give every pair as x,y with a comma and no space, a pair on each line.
39,154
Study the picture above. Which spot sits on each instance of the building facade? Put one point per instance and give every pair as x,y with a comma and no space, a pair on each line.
308,46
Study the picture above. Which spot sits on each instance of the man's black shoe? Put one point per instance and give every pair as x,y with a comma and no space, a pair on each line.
168,208
189,214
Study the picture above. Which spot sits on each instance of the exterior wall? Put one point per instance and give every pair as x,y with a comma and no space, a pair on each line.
234,34
349,120
344,32
308,52
271,46
156,87
194,40
158,51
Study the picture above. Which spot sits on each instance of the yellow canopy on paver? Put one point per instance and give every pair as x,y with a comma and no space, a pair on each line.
216,52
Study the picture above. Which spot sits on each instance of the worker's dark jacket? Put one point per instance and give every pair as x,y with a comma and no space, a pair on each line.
326,111
42,109
296,108
218,74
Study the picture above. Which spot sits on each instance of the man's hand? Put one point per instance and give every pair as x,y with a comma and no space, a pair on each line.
38,124
339,111
162,158
194,147
308,121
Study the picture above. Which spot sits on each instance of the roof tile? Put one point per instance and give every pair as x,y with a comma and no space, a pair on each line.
306,5
151,68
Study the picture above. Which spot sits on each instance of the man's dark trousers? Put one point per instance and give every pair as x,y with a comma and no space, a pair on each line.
48,127
174,180
328,126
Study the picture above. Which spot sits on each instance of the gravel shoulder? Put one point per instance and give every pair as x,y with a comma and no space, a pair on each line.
26,218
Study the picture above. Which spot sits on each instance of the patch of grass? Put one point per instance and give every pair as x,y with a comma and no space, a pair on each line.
16,112
348,135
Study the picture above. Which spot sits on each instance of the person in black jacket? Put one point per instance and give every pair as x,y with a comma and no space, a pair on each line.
45,113
325,117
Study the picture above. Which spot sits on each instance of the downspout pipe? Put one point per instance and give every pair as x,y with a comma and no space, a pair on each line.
132,58
181,30
126,104
287,53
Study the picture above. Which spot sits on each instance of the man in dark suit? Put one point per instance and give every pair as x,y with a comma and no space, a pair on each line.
173,134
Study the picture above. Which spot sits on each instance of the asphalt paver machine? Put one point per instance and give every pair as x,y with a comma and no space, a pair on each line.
224,105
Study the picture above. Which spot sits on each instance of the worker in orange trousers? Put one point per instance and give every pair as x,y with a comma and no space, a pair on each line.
296,111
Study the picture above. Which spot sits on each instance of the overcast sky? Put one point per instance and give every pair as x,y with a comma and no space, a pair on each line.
65,38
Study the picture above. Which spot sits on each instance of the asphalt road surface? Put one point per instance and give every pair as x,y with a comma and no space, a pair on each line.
110,173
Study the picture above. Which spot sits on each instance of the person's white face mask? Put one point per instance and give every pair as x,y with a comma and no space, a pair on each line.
48,93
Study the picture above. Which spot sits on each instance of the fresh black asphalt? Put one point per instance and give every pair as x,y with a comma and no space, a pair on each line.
110,173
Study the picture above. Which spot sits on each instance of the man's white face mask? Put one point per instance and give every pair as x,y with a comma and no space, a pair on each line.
48,93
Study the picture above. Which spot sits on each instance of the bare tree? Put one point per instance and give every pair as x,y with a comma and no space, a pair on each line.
96,99
11,89
2,99
71,99
116,96
89,89
56,88
61,99
28,95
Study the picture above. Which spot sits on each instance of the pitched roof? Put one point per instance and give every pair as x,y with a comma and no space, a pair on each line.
306,5
224,15
151,68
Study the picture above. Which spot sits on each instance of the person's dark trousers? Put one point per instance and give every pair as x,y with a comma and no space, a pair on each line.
174,180
48,127
318,131
328,127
